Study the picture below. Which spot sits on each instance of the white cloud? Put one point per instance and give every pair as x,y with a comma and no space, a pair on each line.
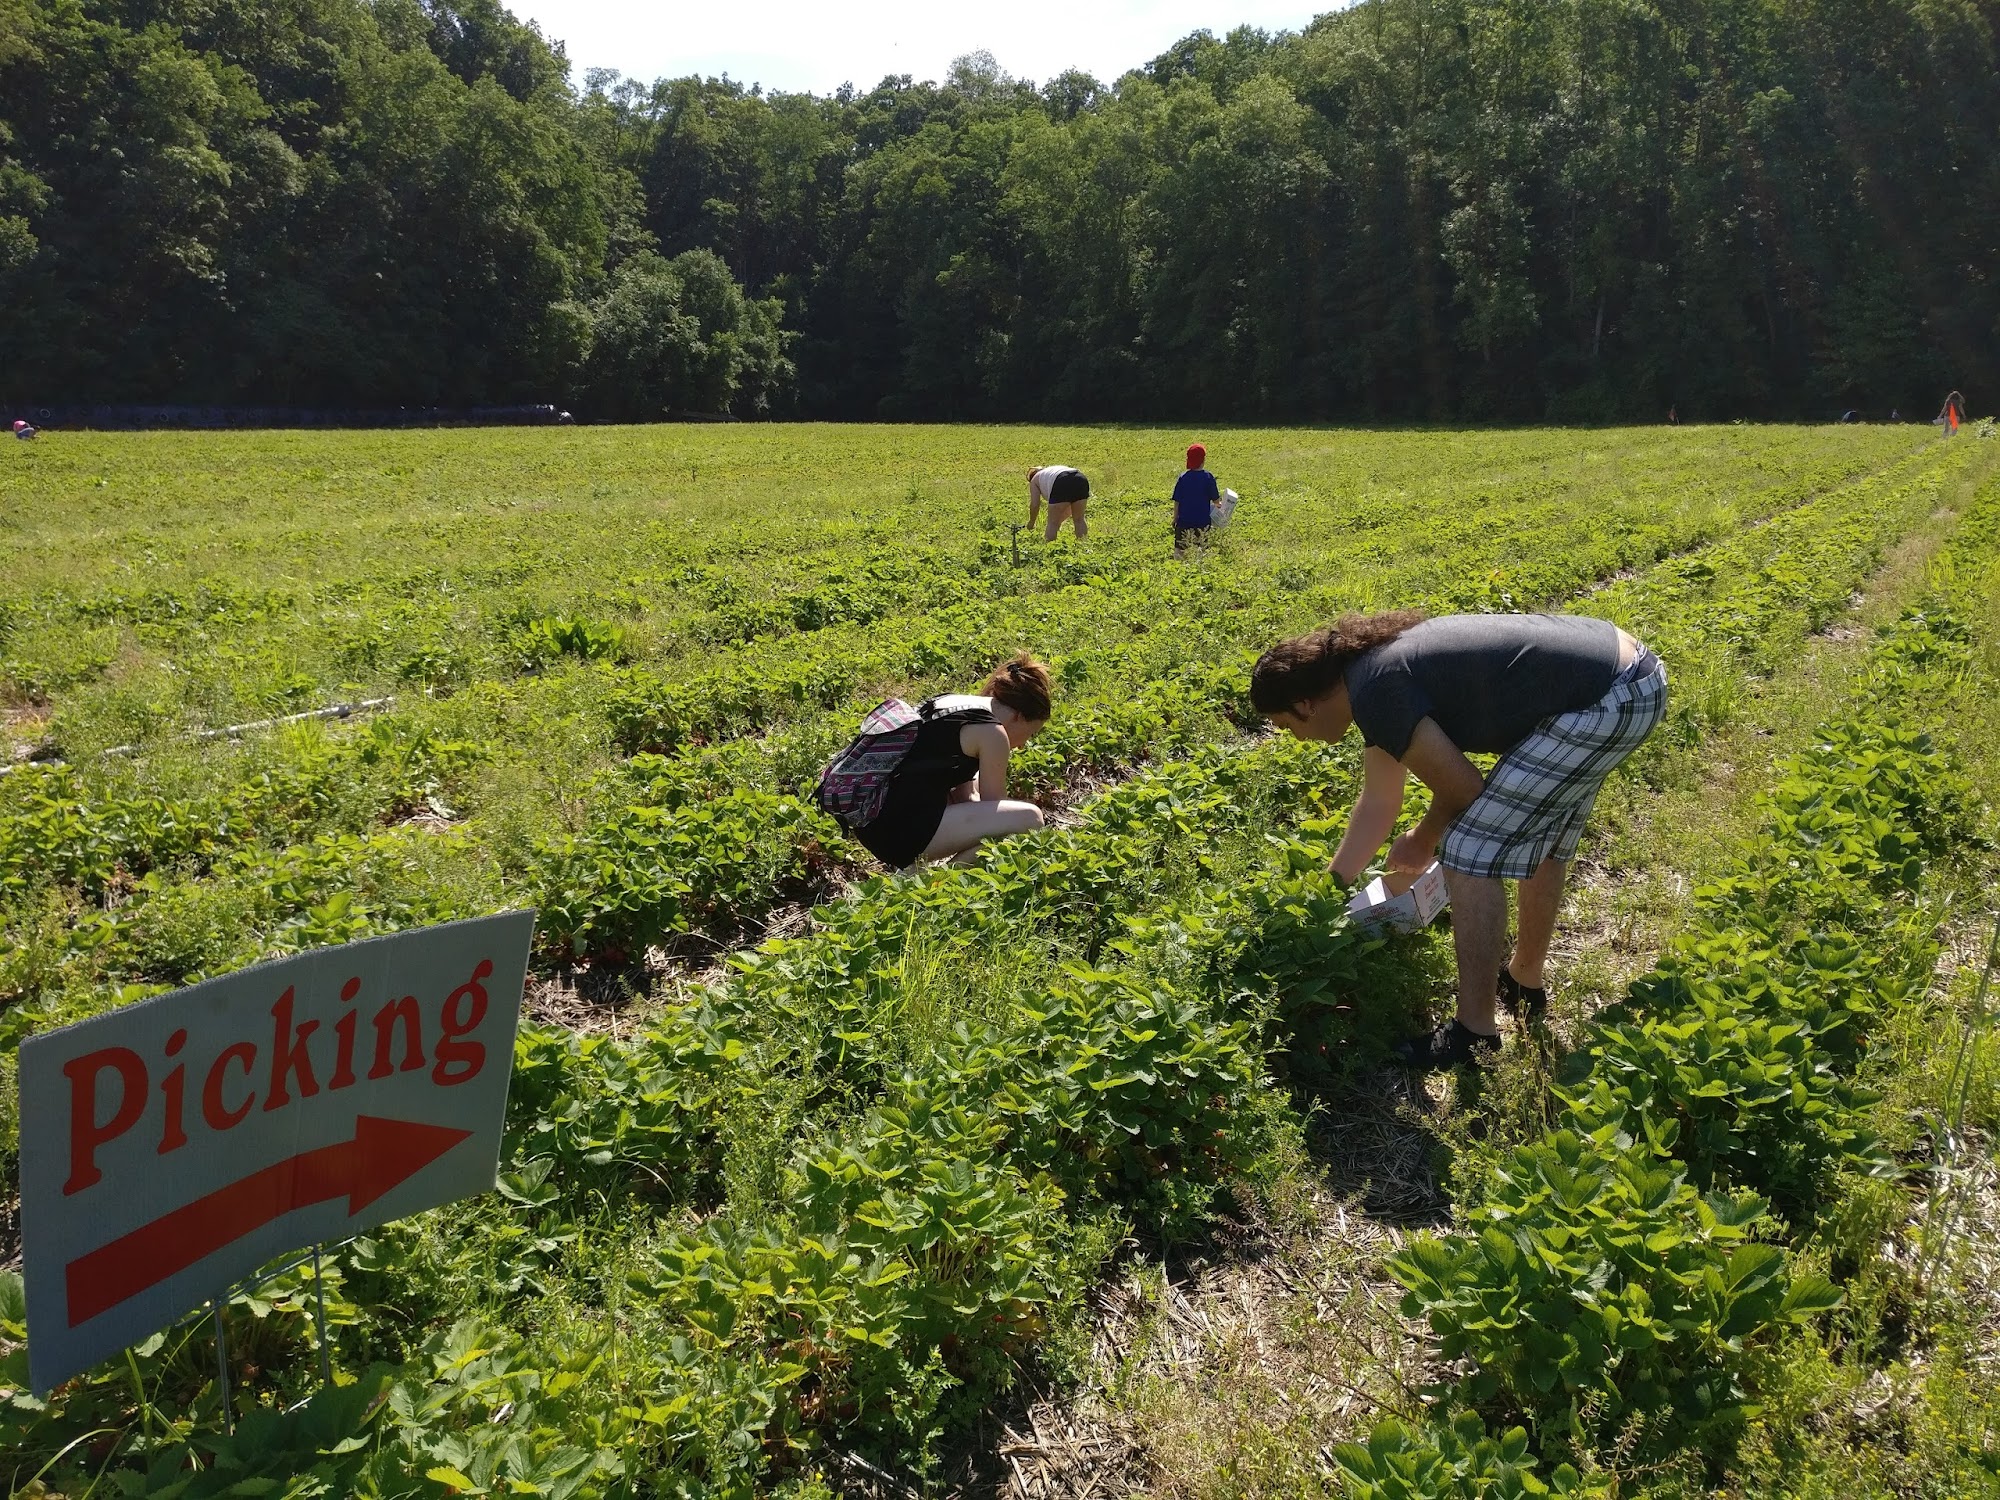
816,45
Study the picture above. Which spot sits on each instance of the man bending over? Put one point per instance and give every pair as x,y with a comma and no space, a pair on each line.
1561,699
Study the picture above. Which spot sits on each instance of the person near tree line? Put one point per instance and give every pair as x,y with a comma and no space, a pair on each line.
1953,414
1561,699
950,791
1195,494
1067,492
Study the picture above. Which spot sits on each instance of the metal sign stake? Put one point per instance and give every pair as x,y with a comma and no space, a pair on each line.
319,1321
222,1365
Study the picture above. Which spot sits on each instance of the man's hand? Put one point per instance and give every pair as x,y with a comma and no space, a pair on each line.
1412,853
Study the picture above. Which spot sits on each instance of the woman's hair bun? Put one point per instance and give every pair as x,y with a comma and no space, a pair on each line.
1022,683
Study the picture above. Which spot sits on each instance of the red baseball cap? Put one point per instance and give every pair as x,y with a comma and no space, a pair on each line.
1197,455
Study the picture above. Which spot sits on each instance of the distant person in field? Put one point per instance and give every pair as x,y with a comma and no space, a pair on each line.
1195,494
23,430
1953,414
1561,699
1673,416
1067,492
949,793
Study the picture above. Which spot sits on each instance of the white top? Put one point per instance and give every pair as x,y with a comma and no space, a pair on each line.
1048,474
946,703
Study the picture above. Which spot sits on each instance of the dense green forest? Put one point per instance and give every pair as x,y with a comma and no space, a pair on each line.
1413,209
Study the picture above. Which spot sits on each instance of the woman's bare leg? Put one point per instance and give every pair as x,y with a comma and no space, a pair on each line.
968,823
1058,513
1076,519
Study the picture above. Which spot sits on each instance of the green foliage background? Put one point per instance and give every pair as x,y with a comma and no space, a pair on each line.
1411,209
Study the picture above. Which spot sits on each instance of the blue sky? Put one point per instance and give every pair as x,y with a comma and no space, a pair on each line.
819,44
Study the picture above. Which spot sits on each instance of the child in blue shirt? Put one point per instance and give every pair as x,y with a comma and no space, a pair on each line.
1195,494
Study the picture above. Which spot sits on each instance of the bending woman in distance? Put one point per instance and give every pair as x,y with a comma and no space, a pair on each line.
1561,699
950,792
1067,491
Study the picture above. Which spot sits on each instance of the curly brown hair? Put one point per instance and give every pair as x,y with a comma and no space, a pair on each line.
1023,685
1307,666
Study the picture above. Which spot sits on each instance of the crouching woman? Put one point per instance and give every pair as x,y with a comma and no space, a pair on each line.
1561,699
949,793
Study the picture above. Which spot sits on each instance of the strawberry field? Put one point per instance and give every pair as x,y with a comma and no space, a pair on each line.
810,1172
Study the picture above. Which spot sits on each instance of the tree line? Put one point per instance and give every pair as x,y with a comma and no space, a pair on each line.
1498,210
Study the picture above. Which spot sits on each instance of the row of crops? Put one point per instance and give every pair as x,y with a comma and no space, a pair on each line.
1617,1282
282,845
840,1199
179,584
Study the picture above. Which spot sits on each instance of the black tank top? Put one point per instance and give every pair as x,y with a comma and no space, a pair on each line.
936,763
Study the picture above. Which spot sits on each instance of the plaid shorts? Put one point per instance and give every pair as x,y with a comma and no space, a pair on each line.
1537,797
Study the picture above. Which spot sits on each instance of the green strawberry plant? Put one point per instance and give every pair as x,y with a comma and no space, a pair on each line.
1596,1289
1455,1460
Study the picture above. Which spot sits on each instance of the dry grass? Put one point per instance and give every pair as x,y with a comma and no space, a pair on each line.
23,731
583,1000
1228,1366
1971,1282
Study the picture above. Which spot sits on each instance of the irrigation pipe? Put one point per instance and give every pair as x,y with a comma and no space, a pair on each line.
233,731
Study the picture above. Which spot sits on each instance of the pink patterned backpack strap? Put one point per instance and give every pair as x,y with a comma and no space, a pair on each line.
854,783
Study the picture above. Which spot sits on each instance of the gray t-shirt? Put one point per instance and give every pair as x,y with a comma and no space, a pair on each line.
1485,680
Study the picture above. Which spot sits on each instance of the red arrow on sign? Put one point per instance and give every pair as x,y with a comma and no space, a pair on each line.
382,1154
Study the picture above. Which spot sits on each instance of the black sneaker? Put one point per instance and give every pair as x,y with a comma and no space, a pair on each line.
1531,1006
1452,1045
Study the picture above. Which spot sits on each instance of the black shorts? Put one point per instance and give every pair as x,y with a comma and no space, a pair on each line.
905,827
1069,488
